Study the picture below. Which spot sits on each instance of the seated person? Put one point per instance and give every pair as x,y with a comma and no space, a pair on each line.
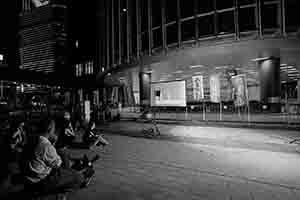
43,165
66,132
17,136
91,138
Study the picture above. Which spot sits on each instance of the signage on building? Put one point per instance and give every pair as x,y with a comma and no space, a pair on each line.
240,90
198,92
87,111
215,90
168,94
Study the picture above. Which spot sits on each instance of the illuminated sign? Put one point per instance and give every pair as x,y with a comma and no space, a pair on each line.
39,3
198,93
214,83
168,94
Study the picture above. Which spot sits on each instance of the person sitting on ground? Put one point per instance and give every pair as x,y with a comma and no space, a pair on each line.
91,138
66,132
43,167
17,136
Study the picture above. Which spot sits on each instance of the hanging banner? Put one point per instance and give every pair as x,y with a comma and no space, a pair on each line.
214,83
239,90
198,93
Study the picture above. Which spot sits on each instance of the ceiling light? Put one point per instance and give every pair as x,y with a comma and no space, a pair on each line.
196,66
260,59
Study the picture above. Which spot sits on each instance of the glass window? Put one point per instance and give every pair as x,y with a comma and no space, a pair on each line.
269,16
144,15
145,41
171,10
188,30
172,34
186,8
226,22
206,25
246,2
223,4
157,38
247,19
292,8
205,6
156,13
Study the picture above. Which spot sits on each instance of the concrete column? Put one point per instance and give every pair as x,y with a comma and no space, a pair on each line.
269,69
145,87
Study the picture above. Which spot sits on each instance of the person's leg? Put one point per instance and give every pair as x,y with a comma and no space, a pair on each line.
62,180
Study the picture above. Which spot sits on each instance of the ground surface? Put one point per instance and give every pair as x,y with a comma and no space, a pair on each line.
220,163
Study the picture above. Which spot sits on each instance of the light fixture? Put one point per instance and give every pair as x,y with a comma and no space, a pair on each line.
196,66
178,72
260,59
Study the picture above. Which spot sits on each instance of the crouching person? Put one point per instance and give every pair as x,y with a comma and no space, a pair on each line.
43,168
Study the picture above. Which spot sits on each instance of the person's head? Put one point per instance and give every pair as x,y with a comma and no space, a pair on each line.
67,116
92,125
47,129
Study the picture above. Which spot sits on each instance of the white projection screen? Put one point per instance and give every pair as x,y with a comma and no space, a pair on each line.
168,94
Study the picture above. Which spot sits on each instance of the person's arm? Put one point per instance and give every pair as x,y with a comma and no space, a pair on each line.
51,158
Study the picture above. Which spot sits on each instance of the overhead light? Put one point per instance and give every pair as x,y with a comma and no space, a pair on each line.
283,64
196,66
178,72
260,59
148,72
198,73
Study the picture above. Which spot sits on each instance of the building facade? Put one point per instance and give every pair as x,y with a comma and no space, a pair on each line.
151,41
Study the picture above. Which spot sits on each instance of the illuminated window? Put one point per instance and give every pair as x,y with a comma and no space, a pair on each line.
1,57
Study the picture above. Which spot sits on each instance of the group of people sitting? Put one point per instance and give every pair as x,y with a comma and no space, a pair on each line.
45,163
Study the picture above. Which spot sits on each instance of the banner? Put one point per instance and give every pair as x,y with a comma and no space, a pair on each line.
214,83
198,93
239,90
168,94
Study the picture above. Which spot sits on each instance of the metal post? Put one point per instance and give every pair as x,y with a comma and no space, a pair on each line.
119,33
216,18
163,24
178,22
236,20
220,110
112,32
259,17
196,20
203,109
107,35
128,28
138,29
283,17
1,89
149,27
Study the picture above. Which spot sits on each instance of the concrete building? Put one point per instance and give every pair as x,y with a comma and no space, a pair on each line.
151,41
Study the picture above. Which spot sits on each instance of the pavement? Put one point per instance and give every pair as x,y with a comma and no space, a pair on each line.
273,139
193,161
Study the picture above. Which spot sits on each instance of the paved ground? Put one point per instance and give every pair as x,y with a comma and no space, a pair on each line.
193,162
136,168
